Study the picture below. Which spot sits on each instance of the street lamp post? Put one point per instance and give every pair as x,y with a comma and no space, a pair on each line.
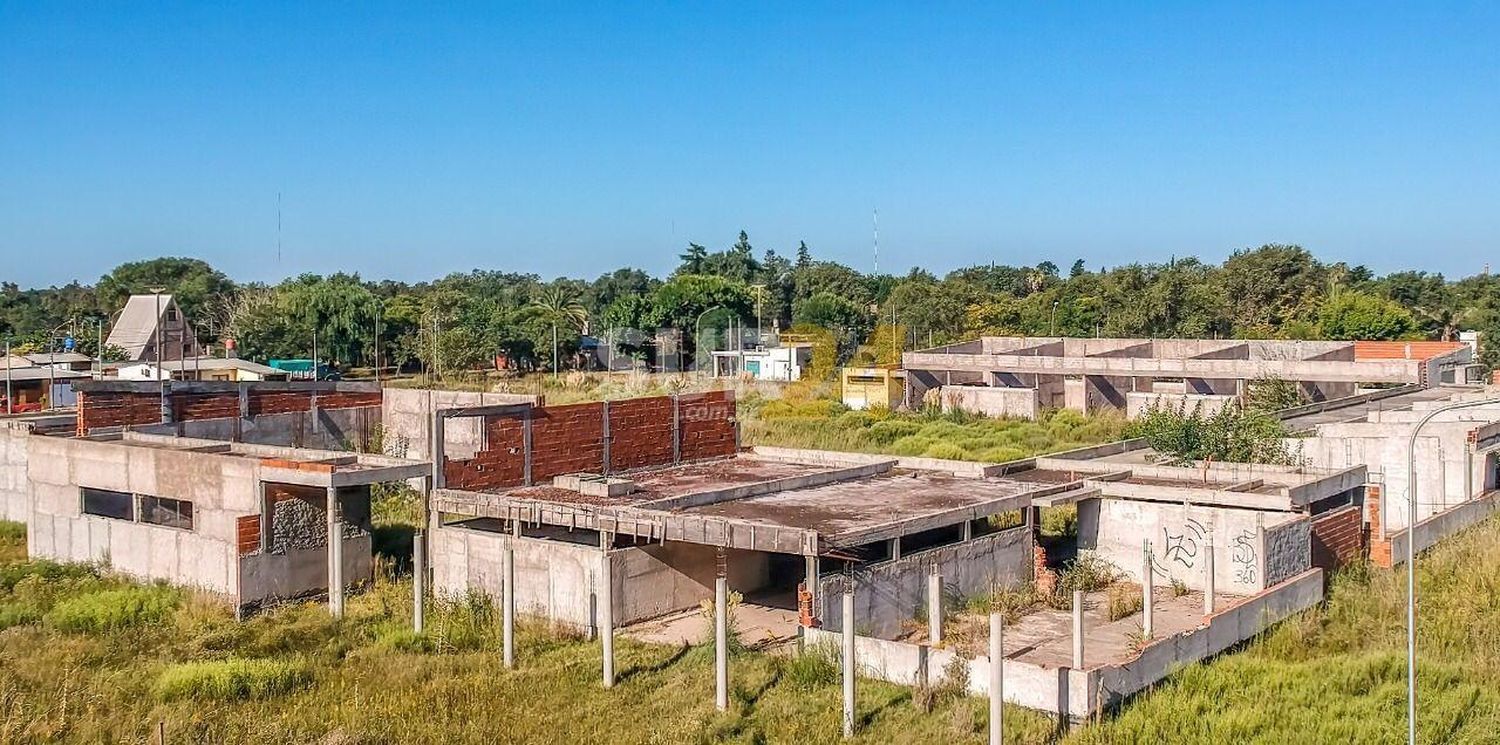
1411,560
698,329
1054,318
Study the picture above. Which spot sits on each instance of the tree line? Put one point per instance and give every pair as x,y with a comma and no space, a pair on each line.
463,320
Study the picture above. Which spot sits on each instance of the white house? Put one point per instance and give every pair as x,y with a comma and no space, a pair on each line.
202,368
776,363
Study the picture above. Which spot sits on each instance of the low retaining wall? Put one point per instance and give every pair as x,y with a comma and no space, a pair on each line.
1392,551
1083,693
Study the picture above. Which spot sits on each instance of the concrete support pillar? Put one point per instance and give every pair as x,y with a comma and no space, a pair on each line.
508,603
849,666
335,555
418,581
895,544
966,533
1148,601
606,610
997,677
935,607
1078,630
1208,577
721,643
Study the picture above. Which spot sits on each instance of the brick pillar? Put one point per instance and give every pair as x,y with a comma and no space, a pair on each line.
1044,578
1380,545
83,428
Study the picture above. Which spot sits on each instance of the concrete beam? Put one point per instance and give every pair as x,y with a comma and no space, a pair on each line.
1197,496
1322,371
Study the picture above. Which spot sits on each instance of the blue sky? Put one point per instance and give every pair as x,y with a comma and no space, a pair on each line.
411,142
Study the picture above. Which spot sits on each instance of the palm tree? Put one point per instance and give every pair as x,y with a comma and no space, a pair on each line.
556,305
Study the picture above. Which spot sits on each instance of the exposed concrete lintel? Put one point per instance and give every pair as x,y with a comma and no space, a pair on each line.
651,525
490,410
1197,496
1068,497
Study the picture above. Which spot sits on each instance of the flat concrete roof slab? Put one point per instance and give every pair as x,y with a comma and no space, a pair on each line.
844,513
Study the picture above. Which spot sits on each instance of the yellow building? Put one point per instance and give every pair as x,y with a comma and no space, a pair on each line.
864,387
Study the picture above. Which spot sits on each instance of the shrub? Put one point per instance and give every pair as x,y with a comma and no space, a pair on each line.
815,667
18,615
1087,572
1125,601
44,569
113,610
232,679
890,430
946,451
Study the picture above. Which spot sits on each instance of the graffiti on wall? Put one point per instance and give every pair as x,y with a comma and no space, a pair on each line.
1184,546
1243,555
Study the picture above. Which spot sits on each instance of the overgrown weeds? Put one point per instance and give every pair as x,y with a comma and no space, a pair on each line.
118,609
231,679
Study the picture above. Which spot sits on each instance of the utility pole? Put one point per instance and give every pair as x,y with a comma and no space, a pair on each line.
161,381
9,404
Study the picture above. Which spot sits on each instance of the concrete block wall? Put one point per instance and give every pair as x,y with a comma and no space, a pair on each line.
1019,403
406,416
1138,403
221,490
1449,472
15,499
1116,529
653,580
571,439
890,593
555,580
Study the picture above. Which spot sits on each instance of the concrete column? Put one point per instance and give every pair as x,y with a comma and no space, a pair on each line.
813,578
508,603
721,643
895,544
335,555
997,677
606,611
849,667
935,607
966,533
1208,577
1148,602
1078,629
418,580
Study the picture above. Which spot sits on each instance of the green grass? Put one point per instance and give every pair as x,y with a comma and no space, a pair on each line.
118,609
231,679
1337,673
294,675
825,424
1333,674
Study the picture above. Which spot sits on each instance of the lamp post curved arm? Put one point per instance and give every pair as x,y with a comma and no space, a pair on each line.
1411,557
698,329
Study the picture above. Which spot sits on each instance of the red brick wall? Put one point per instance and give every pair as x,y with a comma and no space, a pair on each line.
122,408
247,534
708,426
640,432
570,439
1337,538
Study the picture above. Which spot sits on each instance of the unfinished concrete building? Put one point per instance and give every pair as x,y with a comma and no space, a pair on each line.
239,507
1021,376
636,506
624,514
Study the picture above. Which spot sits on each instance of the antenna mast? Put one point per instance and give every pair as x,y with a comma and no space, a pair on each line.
875,224
278,228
